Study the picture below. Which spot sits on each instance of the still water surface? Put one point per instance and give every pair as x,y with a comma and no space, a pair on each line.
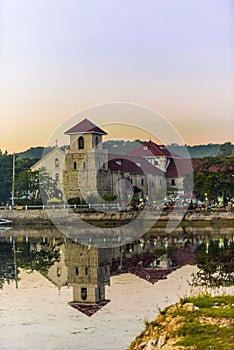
46,279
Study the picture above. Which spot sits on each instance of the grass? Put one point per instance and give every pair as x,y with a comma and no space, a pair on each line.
211,335
210,326
206,336
206,300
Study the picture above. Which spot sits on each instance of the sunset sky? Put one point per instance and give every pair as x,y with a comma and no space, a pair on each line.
60,57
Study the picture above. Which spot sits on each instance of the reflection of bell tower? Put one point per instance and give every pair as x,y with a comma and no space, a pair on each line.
84,158
88,273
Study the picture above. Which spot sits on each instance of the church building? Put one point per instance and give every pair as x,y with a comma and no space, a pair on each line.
87,169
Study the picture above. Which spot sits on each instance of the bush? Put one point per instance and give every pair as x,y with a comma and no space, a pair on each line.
109,197
76,200
26,201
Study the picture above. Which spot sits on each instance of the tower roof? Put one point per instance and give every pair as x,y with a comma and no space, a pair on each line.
85,127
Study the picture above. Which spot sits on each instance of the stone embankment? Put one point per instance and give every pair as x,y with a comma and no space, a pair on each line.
40,217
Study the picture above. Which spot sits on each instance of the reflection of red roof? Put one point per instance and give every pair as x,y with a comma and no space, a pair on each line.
131,265
132,164
153,275
179,167
89,308
139,265
85,126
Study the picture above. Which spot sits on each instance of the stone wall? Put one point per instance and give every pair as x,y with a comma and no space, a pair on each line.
40,217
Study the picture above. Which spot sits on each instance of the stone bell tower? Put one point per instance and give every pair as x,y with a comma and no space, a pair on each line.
85,157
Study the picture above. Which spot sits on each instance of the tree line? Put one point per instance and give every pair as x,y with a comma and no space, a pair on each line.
29,186
123,147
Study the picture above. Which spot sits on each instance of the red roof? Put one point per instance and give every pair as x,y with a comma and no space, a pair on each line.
85,126
131,164
149,149
179,167
211,165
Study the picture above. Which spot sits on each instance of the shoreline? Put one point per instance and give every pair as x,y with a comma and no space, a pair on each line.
40,217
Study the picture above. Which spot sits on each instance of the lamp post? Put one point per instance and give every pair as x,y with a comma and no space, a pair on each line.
13,182
206,200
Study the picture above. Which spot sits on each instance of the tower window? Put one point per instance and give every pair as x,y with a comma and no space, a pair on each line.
75,166
81,142
86,270
56,163
77,271
83,293
142,182
173,182
96,140
56,177
58,271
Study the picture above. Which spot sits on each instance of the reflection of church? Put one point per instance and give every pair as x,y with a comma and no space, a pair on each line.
88,269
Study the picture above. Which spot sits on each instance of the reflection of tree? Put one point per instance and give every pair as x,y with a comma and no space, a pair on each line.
38,257
215,259
7,268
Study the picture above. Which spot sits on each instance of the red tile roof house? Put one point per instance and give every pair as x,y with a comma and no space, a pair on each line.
141,177
175,168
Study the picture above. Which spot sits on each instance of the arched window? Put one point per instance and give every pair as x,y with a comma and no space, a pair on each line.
75,166
142,182
56,162
56,177
81,142
77,271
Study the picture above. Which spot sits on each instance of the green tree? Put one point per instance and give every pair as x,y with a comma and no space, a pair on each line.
226,149
48,186
214,176
27,184
5,177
